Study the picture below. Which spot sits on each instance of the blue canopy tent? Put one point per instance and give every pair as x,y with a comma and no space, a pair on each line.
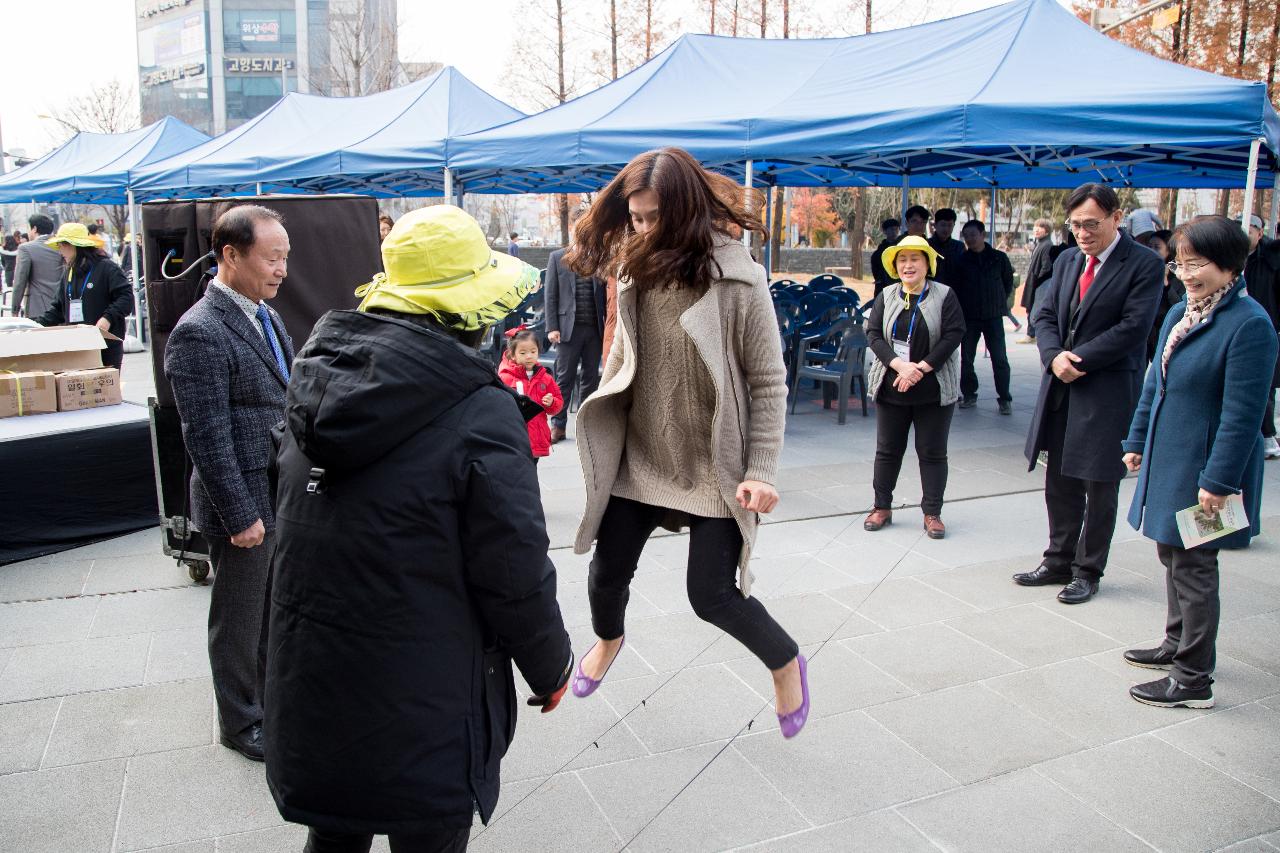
393,143
1019,95
93,168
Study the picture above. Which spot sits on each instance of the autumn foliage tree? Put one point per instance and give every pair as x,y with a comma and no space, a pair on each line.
813,215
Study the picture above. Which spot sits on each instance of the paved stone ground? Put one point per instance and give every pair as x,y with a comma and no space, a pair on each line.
952,709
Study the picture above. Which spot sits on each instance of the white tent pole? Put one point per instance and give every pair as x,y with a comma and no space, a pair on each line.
992,230
448,185
257,188
135,224
1275,203
906,189
747,181
1251,179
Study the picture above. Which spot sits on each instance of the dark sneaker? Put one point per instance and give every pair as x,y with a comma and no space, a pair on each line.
1156,658
1006,408
1169,693
968,402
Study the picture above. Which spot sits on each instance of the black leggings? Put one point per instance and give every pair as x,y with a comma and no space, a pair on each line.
442,841
932,424
714,545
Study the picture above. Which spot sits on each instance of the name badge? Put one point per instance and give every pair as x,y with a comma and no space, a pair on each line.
75,311
902,349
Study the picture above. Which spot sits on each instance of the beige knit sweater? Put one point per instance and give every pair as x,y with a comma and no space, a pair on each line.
734,331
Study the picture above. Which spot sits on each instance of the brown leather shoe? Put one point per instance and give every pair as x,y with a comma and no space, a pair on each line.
934,527
878,518
557,434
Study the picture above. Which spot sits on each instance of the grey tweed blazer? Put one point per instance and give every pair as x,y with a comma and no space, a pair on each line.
230,394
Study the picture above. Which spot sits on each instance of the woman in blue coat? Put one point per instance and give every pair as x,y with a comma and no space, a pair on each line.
1195,439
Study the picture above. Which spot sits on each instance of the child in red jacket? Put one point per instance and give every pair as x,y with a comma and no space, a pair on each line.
520,370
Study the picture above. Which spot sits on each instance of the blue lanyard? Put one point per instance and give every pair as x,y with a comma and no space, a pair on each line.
915,310
83,284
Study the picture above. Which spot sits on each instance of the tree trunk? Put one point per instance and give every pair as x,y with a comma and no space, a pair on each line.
613,38
868,16
786,19
764,16
1224,202
1176,49
562,95
1188,13
735,18
648,29
775,232
1244,35
1168,207
1275,39
858,233
713,17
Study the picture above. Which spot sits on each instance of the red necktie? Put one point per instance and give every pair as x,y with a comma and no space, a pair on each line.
1087,278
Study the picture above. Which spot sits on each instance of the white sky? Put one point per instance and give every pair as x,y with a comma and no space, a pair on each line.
86,42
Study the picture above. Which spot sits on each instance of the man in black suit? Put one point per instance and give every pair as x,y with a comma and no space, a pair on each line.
1091,328
228,361
950,249
574,308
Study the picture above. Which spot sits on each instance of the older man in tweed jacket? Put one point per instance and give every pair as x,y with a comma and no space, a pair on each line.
228,361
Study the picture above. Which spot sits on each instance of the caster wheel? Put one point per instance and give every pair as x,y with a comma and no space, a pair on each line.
198,570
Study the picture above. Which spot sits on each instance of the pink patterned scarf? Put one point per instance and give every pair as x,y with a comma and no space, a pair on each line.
1198,311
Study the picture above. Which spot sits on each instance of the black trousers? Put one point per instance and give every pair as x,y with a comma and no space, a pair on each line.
584,346
1191,631
236,606
1082,513
714,545
444,841
932,424
991,331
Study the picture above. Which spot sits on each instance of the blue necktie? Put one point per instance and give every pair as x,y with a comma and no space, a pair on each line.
270,331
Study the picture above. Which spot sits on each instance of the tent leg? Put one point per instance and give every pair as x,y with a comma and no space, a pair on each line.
133,343
747,180
906,190
1275,203
1250,181
768,227
257,188
992,228
448,185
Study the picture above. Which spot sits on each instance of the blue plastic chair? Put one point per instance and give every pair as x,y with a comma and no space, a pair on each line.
826,281
845,370
846,296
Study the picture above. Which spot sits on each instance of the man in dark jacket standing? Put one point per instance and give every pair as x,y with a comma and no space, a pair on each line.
575,311
412,562
1039,270
1091,329
878,273
1262,280
228,360
983,280
944,225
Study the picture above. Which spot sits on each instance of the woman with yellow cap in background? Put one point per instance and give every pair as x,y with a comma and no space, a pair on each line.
411,566
914,331
94,290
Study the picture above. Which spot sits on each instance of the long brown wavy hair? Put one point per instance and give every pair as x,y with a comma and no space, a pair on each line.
695,207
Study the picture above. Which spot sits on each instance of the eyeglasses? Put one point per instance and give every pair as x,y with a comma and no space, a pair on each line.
1190,269
1090,225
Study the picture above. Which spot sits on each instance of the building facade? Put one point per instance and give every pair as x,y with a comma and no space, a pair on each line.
215,64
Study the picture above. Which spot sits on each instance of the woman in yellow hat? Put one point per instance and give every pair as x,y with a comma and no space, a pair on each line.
914,331
94,291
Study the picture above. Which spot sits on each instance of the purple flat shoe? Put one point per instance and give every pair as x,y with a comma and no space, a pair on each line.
584,686
792,723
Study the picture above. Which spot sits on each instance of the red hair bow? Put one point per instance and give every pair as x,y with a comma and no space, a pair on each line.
511,333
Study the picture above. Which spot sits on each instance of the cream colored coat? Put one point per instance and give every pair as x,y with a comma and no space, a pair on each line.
735,331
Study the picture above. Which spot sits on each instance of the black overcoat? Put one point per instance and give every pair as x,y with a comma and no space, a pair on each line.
1111,326
408,576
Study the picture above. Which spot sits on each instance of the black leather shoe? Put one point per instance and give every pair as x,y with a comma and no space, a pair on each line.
1078,591
248,742
1042,575
1156,658
968,402
1169,693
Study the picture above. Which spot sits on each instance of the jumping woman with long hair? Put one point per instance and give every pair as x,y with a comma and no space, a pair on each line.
686,427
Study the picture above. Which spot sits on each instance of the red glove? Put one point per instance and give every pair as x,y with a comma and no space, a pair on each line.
549,703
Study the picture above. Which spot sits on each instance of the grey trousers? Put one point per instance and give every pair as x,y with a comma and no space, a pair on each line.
236,610
1191,631
583,347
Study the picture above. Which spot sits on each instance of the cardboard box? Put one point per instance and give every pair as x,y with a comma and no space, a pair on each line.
27,393
54,348
88,389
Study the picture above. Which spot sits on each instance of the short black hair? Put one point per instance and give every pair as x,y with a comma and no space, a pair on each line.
235,227
1216,239
917,211
93,228
1101,193
40,222
514,234
890,223
975,223
944,214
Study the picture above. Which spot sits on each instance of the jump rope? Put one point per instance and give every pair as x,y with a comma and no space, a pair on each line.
643,703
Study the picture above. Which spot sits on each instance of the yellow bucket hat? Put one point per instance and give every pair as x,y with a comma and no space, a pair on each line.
438,262
918,244
74,233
